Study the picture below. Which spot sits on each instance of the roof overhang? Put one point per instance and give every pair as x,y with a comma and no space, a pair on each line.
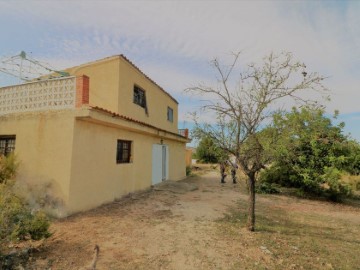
103,117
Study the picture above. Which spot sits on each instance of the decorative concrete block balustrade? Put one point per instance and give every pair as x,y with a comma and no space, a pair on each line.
51,94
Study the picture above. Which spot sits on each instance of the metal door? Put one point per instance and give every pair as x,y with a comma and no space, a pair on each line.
164,164
160,163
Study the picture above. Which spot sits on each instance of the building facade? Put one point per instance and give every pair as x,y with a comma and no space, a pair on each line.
100,133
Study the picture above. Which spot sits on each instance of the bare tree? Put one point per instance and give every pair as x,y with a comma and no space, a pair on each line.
243,107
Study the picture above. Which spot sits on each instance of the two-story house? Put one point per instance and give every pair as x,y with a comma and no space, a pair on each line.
102,132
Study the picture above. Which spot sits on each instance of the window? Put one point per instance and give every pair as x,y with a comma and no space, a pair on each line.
170,114
7,144
139,96
123,153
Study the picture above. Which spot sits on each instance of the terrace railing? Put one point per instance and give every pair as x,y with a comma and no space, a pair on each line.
52,94
184,132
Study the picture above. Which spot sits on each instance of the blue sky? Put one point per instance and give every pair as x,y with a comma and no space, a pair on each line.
173,41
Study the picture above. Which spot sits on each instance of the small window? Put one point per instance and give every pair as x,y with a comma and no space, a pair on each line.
7,144
139,96
170,114
123,153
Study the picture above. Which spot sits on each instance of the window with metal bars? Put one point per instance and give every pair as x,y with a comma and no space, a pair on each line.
139,96
7,144
170,114
123,153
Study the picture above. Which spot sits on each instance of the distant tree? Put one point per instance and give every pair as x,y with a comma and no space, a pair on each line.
312,153
208,152
242,107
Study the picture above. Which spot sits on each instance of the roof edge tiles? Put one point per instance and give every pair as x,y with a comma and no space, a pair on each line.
113,114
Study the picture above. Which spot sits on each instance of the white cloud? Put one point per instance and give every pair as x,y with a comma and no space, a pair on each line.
162,35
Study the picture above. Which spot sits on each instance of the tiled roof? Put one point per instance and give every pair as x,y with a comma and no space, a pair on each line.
133,65
113,114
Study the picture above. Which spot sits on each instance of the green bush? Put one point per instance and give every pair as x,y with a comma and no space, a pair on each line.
351,180
8,166
188,170
38,226
209,152
308,181
267,188
281,175
18,221
333,187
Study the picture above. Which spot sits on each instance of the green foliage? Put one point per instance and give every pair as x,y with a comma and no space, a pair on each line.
281,175
188,170
208,152
352,180
352,165
18,221
311,153
8,166
38,226
267,188
333,187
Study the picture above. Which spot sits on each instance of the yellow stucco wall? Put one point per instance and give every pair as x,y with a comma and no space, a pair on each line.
75,151
95,176
177,166
188,157
112,83
156,99
43,147
104,82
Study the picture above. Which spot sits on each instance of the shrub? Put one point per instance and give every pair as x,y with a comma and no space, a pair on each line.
281,175
352,180
267,188
209,152
17,221
38,226
8,166
328,184
333,187
188,170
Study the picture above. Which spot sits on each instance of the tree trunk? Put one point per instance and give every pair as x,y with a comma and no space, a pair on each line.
251,210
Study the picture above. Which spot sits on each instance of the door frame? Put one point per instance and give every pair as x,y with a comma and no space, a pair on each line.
160,163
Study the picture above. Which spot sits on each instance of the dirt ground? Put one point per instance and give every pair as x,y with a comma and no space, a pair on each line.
169,227
172,226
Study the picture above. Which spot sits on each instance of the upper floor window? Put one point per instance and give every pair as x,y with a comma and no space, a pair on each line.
7,144
139,96
123,151
170,114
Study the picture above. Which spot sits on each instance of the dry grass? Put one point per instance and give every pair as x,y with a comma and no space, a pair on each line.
297,234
